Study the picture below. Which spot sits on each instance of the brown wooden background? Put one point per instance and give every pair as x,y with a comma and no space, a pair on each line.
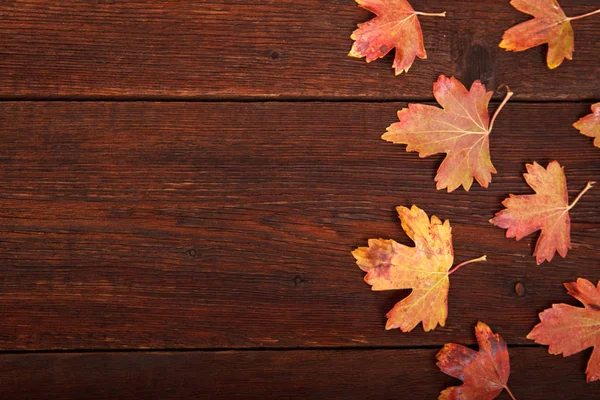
182,183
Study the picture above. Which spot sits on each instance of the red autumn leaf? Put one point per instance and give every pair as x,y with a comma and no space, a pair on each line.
424,269
590,124
546,210
569,330
460,129
396,26
484,373
549,25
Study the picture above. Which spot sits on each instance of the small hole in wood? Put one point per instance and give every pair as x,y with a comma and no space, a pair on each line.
192,253
298,279
519,289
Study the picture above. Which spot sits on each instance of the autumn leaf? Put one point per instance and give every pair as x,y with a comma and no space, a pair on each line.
396,26
549,25
460,130
424,269
484,373
569,330
546,210
590,124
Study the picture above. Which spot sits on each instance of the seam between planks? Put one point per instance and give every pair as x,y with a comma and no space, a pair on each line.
209,99
245,349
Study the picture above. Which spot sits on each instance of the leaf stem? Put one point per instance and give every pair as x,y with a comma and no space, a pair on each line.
510,393
584,15
585,189
509,94
442,14
482,258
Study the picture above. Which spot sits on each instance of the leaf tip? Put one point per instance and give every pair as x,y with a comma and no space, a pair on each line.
390,325
402,209
481,326
540,260
531,335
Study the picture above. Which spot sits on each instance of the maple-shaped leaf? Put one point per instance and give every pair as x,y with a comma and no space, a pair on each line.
590,124
568,329
546,210
424,269
460,129
396,26
484,373
549,25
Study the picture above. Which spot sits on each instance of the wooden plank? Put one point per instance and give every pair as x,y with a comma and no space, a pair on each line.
348,374
278,49
230,225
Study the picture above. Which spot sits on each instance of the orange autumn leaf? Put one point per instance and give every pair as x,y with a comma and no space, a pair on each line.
396,26
460,129
424,269
569,330
546,210
549,25
484,373
590,124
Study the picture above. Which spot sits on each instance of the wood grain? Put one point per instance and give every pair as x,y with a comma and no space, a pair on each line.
230,225
285,49
349,374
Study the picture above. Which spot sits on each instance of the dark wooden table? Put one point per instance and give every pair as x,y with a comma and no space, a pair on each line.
183,182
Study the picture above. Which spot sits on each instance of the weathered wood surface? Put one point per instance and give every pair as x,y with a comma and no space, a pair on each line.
347,374
286,49
196,227
230,225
